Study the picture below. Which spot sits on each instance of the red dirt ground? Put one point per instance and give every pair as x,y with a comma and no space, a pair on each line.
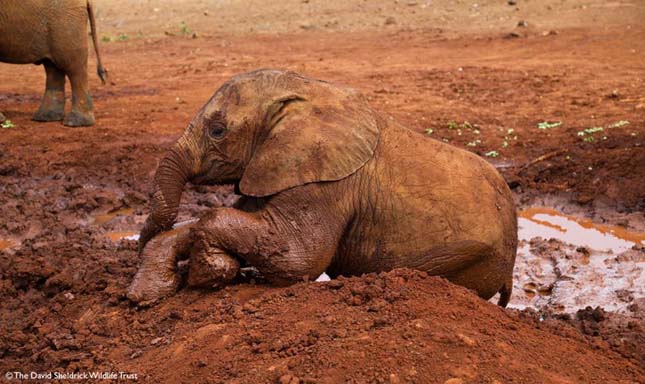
63,280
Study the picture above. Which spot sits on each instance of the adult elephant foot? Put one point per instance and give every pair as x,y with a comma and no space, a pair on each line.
48,115
78,119
157,276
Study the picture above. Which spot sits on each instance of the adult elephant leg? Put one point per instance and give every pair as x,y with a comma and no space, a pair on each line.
82,113
52,106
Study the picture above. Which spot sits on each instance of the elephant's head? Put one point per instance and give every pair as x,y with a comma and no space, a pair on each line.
265,131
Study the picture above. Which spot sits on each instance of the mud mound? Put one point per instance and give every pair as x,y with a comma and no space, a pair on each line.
67,313
401,326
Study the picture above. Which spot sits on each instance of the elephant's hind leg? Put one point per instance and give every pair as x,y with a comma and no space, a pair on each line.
82,113
471,264
52,106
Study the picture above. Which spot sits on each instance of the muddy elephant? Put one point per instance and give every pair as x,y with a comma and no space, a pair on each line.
53,33
326,185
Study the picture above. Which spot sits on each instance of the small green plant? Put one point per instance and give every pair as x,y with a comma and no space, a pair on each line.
467,125
587,134
505,144
452,125
106,38
593,130
547,125
183,29
429,131
7,124
122,37
618,124
491,154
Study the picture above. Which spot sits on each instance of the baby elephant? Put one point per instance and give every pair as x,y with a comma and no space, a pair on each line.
53,33
326,185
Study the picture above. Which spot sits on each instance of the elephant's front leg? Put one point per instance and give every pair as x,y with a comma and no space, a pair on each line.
52,106
286,244
157,275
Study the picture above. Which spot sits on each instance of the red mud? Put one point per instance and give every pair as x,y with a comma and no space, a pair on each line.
62,279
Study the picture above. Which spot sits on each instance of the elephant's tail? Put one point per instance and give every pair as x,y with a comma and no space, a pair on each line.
505,293
102,72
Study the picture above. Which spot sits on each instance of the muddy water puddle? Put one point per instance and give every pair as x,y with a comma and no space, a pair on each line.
122,235
551,224
566,263
134,235
103,218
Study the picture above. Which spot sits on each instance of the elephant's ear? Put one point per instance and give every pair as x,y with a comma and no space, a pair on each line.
311,141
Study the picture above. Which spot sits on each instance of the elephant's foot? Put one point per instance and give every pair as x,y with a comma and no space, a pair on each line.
211,268
157,276
78,119
48,115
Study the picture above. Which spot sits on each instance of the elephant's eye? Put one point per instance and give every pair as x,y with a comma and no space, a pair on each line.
217,129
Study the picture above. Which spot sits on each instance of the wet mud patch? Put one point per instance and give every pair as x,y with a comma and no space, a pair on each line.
591,275
566,263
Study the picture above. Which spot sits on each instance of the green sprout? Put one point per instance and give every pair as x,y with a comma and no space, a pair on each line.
587,134
491,154
547,125
7,124
618,124
593,130
106,38
452,125
429,131
184,29
122,37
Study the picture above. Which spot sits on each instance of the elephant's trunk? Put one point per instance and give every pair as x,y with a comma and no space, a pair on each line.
177,167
